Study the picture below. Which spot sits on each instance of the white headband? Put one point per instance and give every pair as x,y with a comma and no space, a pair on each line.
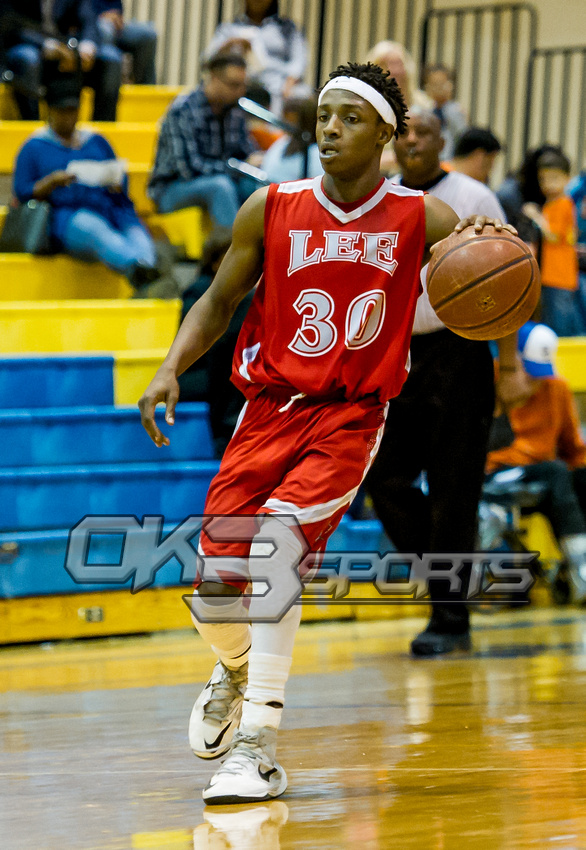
365,91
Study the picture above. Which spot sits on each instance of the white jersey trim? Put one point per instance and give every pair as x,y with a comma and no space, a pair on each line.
347,217
291,187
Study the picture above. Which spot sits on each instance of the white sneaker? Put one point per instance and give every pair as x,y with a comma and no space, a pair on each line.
257,827
250,774
216,713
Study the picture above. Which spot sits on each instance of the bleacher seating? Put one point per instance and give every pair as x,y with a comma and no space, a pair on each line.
65,461
136,103
76,326
28,278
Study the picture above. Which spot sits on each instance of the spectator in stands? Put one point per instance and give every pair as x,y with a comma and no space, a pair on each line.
285,159
475,153
61,39
137,38
439,81
549,448
577,192
559,259
273,46
208,379
199,133
262,133
394,58
93,218
519,188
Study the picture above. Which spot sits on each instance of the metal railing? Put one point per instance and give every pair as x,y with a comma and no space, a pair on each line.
336,30
556,101
489,47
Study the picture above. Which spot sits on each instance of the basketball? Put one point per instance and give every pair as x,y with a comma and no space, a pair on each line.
483,285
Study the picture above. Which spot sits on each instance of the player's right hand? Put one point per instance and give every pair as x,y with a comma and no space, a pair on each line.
163,388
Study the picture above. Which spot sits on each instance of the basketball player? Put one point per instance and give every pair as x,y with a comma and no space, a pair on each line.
324,346
440,422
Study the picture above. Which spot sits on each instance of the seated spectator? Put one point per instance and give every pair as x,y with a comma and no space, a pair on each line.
577,191
559,259
62,40
394,58
208,379
262,133
273,46
285,159
134,37
475,153
548,448
200,132
439,81
90,220
521,187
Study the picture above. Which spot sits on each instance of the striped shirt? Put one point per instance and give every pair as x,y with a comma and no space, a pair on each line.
195,142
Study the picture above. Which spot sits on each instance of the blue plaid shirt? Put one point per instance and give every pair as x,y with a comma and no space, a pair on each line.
194,142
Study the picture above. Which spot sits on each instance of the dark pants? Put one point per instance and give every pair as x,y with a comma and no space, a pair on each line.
439,425
31,72
564,497
208,379
140,40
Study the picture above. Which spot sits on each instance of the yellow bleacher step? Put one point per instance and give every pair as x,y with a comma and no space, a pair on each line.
571,362
28,278
136,103
134,141
146,103
77,326
133,371
186,228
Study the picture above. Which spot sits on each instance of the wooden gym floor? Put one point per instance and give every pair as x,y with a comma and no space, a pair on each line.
486,750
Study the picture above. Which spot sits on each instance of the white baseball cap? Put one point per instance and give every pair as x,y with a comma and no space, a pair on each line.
537,345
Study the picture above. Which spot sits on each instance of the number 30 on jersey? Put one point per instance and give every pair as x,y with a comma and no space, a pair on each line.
318,333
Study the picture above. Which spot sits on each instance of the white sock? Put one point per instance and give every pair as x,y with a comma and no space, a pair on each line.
265,693
230,641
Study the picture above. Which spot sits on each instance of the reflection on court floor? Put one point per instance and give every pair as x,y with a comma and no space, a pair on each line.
485,750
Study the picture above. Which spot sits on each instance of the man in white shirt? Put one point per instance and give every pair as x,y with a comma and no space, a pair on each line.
440,422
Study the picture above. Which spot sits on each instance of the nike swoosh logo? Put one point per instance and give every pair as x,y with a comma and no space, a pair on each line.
266,774
218,740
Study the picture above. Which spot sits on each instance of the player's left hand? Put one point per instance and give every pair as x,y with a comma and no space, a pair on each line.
479,222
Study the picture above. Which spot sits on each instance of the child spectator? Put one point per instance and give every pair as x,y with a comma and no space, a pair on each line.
439,81
549,447
559,258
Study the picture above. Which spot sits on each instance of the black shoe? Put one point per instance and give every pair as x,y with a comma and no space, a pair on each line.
438,643
142,276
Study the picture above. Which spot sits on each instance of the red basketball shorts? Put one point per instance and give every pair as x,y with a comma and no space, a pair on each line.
303,459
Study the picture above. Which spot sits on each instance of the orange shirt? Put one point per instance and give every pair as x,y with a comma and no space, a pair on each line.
559,260
546,427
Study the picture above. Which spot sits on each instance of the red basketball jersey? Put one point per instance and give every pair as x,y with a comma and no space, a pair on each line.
333,312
